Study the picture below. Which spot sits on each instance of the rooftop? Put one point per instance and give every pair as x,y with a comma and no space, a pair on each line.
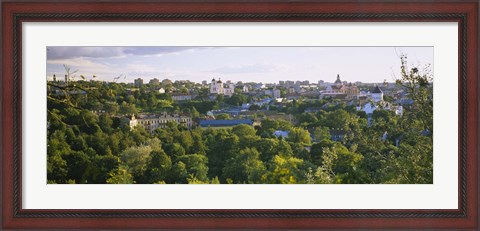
377,90
224,123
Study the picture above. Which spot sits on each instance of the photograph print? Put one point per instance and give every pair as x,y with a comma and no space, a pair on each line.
239,115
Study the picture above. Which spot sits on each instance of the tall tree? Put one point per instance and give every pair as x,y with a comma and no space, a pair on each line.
245,167
419,86
120,176
299,135
158,167
196,165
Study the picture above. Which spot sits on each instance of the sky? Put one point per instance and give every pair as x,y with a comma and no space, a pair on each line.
246,64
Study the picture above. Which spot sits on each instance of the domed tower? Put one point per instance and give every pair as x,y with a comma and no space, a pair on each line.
338,81
220,89
133,122
213,87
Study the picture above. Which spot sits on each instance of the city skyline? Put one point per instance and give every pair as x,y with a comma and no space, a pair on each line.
246,64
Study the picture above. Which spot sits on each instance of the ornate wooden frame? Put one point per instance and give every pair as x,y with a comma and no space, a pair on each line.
14,13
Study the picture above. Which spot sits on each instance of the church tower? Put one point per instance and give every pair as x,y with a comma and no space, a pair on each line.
338,81
213,89
377,94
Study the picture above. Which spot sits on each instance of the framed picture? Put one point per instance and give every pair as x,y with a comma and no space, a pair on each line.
217,114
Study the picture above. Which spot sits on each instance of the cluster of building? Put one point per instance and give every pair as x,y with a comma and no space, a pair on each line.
367,101
288,90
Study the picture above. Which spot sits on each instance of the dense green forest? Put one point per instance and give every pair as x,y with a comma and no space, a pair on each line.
88,143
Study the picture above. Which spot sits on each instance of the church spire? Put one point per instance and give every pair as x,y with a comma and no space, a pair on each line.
338,81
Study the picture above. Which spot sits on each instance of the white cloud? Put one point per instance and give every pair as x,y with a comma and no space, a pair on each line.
247,68
78,63
54,53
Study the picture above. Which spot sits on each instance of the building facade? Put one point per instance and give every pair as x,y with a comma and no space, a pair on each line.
151,123
224,123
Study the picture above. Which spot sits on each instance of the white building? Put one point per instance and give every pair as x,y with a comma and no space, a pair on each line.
369,108
217,87
276,93
132,122
377,94
151,123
